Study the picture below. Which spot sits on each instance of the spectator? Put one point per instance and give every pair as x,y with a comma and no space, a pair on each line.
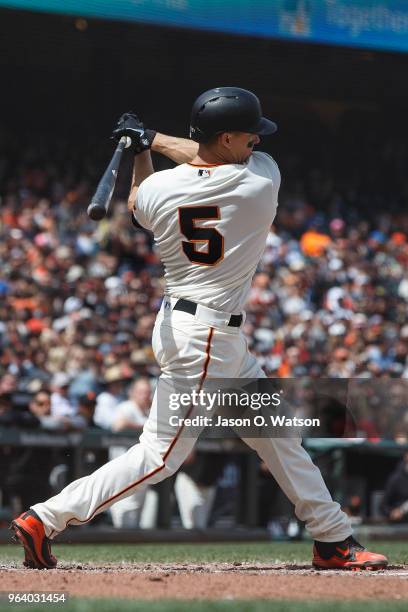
40,408
133,413
139,509
8,384
329,298
314,242
86,409
60,404
37,415
116,378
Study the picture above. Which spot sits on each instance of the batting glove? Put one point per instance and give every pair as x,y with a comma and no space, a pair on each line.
130,125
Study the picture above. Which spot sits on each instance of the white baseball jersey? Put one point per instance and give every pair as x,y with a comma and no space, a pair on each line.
210,224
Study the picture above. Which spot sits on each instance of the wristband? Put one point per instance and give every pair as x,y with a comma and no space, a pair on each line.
145,141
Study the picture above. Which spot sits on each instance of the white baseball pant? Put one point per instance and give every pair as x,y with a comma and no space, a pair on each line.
189,349
194,501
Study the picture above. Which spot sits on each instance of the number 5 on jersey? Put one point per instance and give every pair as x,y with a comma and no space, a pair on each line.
214,253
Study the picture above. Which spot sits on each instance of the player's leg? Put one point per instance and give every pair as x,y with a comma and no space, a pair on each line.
303,484
298,477
159,453
162,448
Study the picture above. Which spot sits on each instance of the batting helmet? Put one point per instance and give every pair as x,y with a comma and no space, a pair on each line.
228,109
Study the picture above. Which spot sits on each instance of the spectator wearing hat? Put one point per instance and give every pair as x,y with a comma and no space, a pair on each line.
116,379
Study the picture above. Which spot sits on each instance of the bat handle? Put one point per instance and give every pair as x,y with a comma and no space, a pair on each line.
99,205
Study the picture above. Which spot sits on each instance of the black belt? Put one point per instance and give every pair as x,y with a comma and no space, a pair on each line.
191,308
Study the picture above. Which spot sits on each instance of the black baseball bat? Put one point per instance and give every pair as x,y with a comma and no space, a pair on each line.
99,205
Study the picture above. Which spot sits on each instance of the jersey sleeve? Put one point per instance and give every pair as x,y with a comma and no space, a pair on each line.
140,210
268,168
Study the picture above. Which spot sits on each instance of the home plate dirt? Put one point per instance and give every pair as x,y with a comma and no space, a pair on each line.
209,581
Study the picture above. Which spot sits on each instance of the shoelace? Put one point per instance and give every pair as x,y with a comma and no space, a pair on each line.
354,545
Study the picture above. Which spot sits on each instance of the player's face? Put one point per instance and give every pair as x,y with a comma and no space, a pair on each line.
240,145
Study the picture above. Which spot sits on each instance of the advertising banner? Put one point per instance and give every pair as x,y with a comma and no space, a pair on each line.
381,24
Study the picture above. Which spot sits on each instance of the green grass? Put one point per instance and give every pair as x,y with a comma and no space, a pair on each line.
116,605
263,552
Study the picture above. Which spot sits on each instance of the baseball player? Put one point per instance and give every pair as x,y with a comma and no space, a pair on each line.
210,217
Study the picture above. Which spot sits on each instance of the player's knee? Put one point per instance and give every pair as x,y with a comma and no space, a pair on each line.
146,454
168,460
158,462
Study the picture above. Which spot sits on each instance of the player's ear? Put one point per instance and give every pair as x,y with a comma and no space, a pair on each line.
225,138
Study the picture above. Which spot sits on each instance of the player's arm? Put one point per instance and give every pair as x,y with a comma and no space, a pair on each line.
179,150
142,168
141,139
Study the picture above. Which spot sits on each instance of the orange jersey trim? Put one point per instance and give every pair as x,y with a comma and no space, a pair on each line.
207,165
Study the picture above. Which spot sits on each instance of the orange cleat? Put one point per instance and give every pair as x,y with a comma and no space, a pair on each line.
29,532
348,554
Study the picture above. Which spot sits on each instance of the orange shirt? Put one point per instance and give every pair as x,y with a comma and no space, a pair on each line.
313,243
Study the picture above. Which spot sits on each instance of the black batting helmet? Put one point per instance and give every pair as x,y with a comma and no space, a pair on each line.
228,109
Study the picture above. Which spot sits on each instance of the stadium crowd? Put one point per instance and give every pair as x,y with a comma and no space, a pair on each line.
78,298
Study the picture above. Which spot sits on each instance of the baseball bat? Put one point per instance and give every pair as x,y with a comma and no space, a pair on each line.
99,205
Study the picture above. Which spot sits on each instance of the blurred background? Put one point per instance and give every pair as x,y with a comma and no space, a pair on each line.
78,299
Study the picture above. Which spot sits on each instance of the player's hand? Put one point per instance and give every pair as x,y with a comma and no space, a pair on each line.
130,125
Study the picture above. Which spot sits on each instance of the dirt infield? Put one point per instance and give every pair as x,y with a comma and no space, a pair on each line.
213,581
